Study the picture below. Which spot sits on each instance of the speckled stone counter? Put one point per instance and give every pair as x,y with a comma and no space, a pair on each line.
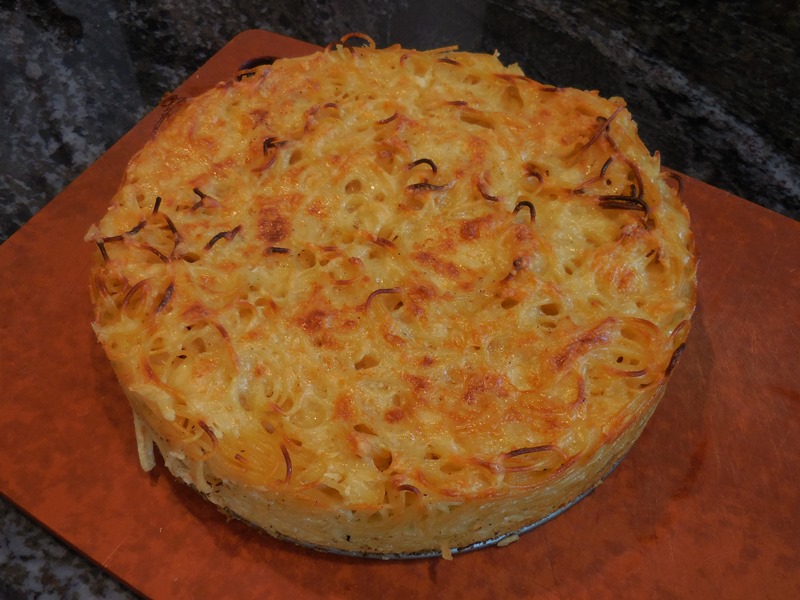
713,88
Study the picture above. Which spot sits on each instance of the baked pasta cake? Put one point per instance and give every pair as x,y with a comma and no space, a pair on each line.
392,302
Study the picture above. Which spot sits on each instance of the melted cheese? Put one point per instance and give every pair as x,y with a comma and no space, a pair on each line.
377,279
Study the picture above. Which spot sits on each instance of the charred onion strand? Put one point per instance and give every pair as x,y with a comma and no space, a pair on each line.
171,226
605,166
394,290
631,165
165,300
270,142
120,237
258,61
617,202
137,229
383,242
277,250
210,433
102,248
603,169
247,68
169,102
361,36
580,398
600,130
388,119
678,179
529,205
157,205
157,252
531,171
228,235
530,450
639,373
288,460
177,236
204,198
638,175
426,187
449,61
674,360
486,194
423,161
131,292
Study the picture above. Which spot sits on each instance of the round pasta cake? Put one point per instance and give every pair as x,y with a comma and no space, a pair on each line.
392,302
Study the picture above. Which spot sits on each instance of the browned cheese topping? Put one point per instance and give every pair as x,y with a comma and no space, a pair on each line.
384,283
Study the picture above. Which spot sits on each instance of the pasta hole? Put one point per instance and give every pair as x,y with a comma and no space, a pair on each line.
363,428
247,313
367,362
375,518
509,303
265,302
346,236
382,459
196,346
449,467
330,493
158,359
629,333
353,186
478,119
415,203
115,285
295,157
551,309
512,98
385,160
655,268
410,498
420,68
191,257
306,258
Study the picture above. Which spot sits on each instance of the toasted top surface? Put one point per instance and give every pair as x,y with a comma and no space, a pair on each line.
366,271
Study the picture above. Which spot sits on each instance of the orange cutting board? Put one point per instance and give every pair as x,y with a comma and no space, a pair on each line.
705,505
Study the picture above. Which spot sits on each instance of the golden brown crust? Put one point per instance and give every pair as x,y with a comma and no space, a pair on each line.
393,301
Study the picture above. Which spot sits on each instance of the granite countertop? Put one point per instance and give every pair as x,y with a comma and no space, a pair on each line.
713,87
